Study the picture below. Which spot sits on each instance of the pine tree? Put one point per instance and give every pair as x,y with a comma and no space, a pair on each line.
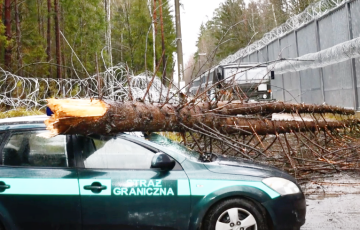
132,36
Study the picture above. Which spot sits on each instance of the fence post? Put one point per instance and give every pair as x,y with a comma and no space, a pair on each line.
282,75
352,61
318,48
298,72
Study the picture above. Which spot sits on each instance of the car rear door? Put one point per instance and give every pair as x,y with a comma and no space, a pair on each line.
120,191
38,183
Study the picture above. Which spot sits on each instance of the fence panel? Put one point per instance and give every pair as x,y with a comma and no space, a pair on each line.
253,57
338,89
277,83
291,79
263,55
355,24
336,84
310,78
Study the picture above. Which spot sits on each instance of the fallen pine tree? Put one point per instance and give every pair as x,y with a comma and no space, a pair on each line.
301,146
85,116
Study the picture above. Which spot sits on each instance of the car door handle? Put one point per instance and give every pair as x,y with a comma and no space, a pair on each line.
95,187
3,186
92,187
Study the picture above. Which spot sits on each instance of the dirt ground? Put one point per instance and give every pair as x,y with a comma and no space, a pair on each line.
333,203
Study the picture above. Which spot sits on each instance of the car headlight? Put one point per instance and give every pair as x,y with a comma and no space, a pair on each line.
281,185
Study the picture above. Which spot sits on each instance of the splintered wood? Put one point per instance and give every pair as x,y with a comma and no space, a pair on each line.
70,112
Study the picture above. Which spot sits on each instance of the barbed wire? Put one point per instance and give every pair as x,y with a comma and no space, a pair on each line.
336,54
116,83
312,12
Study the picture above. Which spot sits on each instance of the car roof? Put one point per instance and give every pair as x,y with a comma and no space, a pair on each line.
22,120
30,122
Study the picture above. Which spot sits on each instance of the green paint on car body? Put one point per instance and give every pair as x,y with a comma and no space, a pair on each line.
32,186
205,187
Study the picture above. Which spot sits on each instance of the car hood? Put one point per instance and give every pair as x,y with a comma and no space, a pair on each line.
229,165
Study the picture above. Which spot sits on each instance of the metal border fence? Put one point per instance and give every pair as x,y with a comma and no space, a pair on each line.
322,26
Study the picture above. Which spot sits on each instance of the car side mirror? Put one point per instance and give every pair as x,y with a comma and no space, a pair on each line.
162,161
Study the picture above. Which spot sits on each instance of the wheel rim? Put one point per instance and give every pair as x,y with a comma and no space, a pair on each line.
236,219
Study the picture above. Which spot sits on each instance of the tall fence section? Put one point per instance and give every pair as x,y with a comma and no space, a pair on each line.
319,49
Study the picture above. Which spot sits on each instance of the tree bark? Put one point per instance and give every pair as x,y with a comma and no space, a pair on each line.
18,36
154,36
7,24
237,107
48,36
1,12
109,117
38,16
162,43
57,39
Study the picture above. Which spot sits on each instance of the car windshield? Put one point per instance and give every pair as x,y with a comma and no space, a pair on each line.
172,145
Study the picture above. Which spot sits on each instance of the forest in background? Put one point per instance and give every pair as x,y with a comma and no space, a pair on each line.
45,38
235,25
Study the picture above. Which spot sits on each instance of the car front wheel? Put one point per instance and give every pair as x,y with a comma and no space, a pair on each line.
235,214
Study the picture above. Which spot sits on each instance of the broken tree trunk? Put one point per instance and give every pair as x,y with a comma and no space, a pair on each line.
84,116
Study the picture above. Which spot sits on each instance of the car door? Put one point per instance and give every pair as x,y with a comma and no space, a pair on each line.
38,183
119,190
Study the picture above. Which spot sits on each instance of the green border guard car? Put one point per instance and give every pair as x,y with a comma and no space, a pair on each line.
129,182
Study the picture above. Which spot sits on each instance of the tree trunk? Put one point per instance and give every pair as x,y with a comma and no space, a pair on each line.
1,12
237,107
48,36
18,36
38,16
1,23
57,39
108,30
162,43
154,36
8,33
107,117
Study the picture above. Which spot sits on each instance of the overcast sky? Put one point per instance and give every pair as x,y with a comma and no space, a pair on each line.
193,13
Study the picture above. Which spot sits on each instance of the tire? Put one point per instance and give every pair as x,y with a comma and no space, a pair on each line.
236,214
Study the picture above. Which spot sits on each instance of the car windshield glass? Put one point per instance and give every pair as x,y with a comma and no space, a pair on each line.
172,145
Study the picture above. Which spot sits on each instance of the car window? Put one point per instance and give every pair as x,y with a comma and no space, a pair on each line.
114,153
28,149
2,135
176,147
